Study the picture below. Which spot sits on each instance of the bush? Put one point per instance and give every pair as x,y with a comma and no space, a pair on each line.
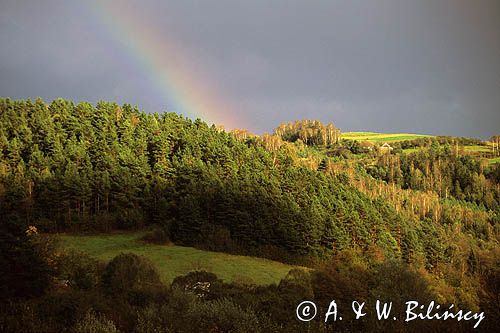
81,270
25,261
93,323
63,309
129,272
201,283
21,317
169,316
223,316
186,313
191,278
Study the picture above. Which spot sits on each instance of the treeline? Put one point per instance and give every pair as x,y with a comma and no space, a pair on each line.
438,169
310,132
442,140
78,167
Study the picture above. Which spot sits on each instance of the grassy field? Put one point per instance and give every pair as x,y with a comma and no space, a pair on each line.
381,137
478,149
173,261
494,160
410,150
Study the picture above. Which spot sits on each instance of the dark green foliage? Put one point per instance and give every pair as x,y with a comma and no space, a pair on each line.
79,270
440,140
93,323
224,316
203,284
440,170
62,310
353,146
310,132
157,235
66,167
24,269
186,313
79,167
245,308
188,281
129,272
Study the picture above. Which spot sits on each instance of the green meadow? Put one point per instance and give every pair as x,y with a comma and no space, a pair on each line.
386,137
173,261
382,137
478,149
494,160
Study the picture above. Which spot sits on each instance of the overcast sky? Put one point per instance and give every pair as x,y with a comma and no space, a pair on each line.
391,66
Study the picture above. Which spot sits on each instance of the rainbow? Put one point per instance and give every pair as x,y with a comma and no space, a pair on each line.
173,72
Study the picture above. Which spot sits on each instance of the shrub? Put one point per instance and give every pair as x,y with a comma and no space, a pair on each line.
25,261
81,270
186,313
191,278
129,272
93,323
223,316
201,283
169,316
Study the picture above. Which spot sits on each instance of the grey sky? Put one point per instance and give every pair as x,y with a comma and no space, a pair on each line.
393,66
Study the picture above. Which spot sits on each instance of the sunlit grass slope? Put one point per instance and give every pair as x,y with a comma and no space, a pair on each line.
381,137
173,261
494,160
478,149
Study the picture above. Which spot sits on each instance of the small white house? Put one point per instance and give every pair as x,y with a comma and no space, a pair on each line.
386,147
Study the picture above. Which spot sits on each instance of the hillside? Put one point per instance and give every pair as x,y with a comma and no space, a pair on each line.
418,219
411,143
80,167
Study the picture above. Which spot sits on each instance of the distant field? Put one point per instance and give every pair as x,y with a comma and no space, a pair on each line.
478,149
382,137
173,261
494,160
410,150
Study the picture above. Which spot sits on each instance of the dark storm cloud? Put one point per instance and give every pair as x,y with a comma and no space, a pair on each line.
398,66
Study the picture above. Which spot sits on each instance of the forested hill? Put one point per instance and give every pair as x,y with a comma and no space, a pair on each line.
80,167
66,167
417,219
